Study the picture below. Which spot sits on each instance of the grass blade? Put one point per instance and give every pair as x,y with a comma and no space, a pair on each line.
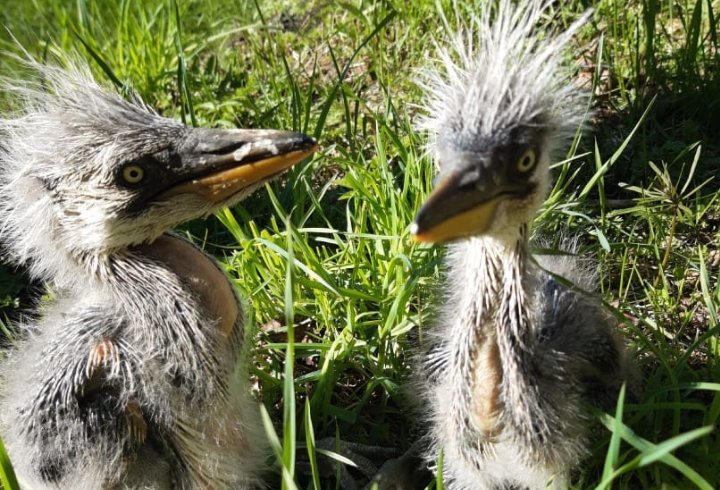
320,125
289,428
310,440
7,474
613,451
186,103
650,452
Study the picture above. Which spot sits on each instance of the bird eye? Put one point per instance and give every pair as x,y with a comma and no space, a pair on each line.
526,162
133,174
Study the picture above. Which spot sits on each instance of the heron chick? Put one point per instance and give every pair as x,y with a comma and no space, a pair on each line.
515,356
133,376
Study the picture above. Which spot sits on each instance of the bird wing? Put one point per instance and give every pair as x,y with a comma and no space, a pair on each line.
580,335
78,405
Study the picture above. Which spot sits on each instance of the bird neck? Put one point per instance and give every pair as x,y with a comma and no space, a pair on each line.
493,340
175,303
139,273
488,277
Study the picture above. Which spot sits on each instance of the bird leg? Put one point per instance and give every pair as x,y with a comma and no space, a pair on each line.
408,472
375,464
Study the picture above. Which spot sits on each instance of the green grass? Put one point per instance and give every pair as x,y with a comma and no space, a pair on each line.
339,290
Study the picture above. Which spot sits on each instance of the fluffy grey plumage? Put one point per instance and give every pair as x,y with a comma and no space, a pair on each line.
515,356
134,376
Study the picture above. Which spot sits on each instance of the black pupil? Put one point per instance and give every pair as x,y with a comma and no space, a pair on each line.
134,174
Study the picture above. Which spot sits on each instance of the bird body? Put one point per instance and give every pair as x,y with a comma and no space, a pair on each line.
509,404
515,357
134,375
91,356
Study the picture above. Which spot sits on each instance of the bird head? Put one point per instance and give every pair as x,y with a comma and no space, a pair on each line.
485,189
498,106
85,172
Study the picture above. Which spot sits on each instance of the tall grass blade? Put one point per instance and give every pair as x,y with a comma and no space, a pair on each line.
310,440
290,432
330,99
186,102
7,474
613,451
650,452
100,61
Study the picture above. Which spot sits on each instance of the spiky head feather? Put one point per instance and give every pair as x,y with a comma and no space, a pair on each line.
58,159
501,70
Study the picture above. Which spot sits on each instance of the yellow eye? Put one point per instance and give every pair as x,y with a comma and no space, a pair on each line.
526,162
133,174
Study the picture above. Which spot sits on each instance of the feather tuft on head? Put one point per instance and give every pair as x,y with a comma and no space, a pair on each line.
503,68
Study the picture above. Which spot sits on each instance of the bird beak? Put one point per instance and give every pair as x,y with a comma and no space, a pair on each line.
218,163
462,204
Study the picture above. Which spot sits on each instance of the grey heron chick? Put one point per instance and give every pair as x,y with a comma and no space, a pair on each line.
515,357
133,376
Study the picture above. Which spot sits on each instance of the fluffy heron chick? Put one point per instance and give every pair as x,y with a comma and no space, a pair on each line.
515,356
133,376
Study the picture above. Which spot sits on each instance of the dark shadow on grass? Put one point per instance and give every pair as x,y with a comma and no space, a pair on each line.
679,118
684,80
